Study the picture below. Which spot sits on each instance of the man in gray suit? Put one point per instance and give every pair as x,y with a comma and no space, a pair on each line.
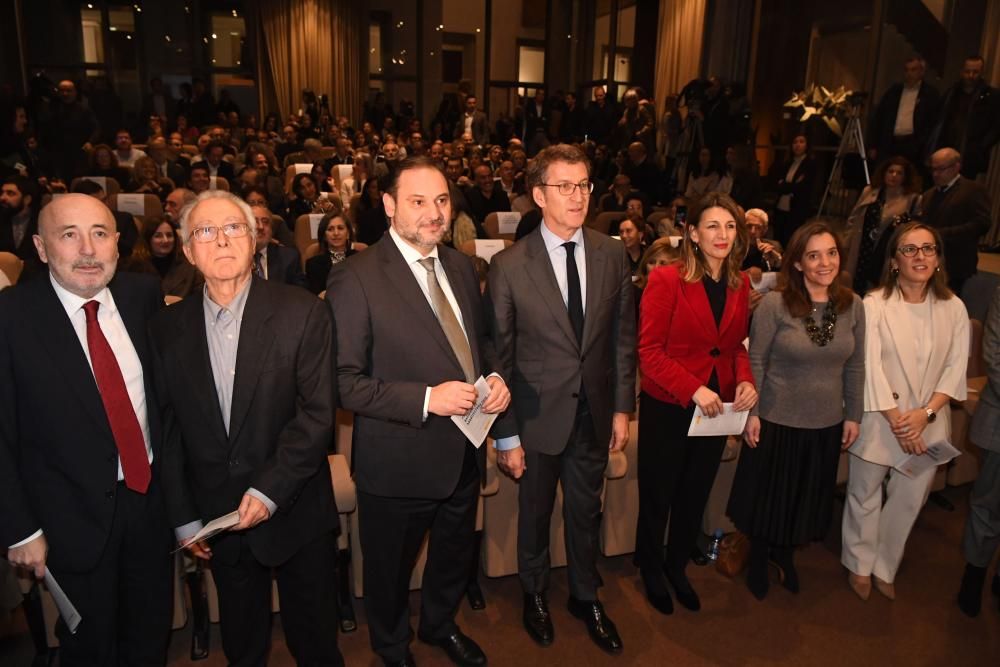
982,529
564,327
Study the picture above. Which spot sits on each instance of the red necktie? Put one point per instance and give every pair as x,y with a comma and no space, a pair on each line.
117,404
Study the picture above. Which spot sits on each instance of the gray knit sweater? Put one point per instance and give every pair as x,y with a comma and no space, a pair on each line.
801,384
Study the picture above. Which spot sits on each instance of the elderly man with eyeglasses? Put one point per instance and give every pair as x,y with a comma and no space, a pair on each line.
246,383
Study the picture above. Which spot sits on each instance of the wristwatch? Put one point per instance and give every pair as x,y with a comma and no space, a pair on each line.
931,415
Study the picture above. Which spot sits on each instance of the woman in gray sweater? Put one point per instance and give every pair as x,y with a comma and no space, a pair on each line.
807,346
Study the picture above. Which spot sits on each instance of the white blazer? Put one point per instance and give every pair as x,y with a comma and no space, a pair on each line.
892,378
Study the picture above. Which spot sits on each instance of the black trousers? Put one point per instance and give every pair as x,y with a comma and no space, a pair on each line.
581,468
307,585
125,602
392,531
675,478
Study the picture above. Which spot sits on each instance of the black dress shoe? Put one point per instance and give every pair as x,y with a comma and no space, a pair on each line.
601,628
537,620
460,649
408,661
683,590
475,596
656,592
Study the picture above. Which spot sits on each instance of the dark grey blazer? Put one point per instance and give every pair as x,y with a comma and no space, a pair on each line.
985,429
539,352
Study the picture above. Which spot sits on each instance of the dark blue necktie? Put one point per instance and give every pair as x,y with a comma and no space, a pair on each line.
574,296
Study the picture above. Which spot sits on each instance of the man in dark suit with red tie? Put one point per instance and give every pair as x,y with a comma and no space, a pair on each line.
80,439
411,341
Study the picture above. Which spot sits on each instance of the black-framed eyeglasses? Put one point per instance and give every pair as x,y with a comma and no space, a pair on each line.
232,230
927,250
567,189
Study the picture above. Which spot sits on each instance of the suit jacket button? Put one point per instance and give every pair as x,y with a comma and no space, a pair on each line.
895,396
714,352
109,494
233,463
576,395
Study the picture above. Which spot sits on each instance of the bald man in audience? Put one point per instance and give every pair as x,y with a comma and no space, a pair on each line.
246,377
175,201
80,439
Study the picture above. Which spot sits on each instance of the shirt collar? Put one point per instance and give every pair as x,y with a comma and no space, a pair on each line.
74,302
951,183
552,241
235,307
410,254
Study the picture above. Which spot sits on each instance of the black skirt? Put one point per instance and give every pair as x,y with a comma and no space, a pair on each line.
783,489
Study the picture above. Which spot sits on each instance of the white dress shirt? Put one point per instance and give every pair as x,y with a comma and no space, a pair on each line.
904,114
121,345
557,255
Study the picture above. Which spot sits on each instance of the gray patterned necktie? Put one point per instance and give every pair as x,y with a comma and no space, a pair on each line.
449,322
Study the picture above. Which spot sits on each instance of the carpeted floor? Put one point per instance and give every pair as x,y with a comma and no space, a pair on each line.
825,624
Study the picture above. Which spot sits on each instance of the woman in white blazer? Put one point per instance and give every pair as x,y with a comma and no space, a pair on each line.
916,349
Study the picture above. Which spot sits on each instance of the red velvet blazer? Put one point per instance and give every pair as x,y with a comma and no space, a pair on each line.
679,344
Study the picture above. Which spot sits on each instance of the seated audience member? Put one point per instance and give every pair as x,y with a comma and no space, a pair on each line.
483,273
102,162
370,216
485,197
290,143
672,224
903,414
175,201
217,166
199,178
271,260
146,179
160,255
644,175
306,198
313,151
763,254
166,161
604,168
811,379
894,192
128,232
617,199
341,156
507,182
361,169
703,177
268,178
631,234
982,527
336,243
660,252
19,206
125,152
256,196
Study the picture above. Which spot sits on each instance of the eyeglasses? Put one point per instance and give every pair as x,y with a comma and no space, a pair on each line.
567,189
928,250
233,230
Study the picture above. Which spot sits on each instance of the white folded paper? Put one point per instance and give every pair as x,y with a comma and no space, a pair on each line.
729,422
70,616
937,454
486,248
132,203
303,168
314,220
475,423
768,281
507,221
214,527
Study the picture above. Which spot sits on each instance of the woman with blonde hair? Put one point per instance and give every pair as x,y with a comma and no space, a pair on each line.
917,351
693,319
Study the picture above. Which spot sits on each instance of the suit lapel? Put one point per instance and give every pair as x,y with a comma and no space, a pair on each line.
539,267
56,333
256,340
940,325
729,312
192,342
401,277
697,298
596,273
899,328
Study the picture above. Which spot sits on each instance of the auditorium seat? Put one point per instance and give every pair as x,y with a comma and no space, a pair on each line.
150,206
11,265
621,500
602,221
492,226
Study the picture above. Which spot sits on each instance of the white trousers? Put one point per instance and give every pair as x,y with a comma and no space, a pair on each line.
874,535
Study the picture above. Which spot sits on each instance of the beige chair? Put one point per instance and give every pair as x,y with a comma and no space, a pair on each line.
522,204
621,501
602,221
11,265
492,226
151,206
218,183
109,185
352,209
303,233
311,251
469,247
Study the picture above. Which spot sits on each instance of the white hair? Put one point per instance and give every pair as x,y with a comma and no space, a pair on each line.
215,194
757,213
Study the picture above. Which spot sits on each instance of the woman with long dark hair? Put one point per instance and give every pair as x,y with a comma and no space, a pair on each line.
807,350
693,319
336,243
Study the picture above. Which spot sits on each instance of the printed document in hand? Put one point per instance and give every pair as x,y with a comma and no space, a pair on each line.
768,282
729,422
214,527
937,454
70,616
475,423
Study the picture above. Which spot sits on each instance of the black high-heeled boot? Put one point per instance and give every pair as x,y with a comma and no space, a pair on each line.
783,556
200,628
345,608
757,568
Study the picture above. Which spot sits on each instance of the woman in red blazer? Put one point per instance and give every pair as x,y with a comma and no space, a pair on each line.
693,320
